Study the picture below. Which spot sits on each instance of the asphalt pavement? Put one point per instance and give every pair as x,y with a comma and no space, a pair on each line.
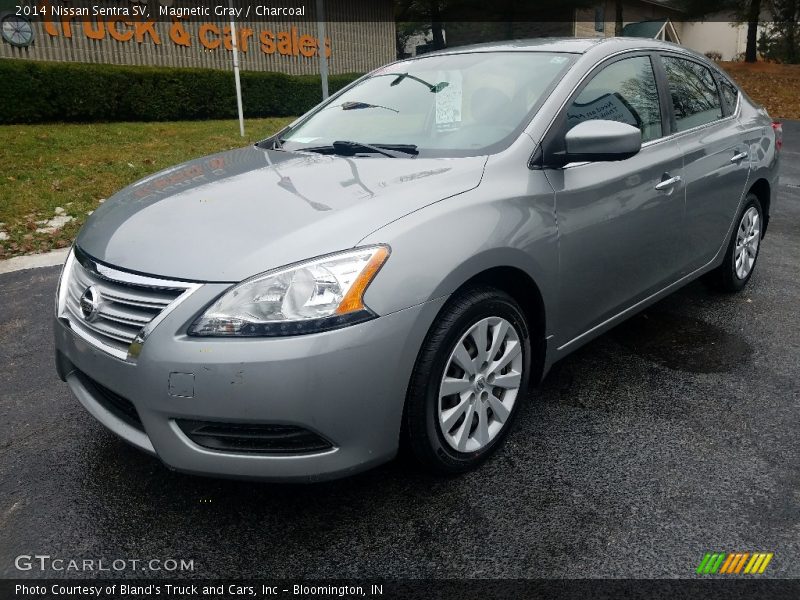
674,435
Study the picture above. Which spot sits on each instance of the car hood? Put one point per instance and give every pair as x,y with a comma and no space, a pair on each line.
232,215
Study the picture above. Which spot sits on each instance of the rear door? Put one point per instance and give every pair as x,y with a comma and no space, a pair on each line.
716,160
619,222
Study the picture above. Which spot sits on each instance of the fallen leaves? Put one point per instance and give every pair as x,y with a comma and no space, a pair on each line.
772,85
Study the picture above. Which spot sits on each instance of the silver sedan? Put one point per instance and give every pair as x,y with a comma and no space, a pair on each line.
400,265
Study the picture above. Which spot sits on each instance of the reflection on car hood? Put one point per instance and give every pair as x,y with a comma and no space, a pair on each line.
231,215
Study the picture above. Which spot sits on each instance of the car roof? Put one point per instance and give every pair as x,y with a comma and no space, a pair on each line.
568,45
574,45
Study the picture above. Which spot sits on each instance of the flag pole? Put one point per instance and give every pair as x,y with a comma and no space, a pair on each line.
235,46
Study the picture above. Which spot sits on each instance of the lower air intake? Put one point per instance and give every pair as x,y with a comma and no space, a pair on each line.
253,438
120,407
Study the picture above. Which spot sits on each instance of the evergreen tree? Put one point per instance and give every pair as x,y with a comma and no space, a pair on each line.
781,40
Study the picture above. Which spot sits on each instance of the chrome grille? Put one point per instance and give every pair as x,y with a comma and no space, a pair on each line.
128,305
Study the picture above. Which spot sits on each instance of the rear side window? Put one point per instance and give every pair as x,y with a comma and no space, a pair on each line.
624,91
695,98
731,94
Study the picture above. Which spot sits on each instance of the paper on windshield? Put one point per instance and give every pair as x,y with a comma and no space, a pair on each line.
449,101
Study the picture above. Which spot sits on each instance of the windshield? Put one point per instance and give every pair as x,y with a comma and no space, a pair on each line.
453,105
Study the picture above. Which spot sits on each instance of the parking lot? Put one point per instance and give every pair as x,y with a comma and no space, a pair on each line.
674,435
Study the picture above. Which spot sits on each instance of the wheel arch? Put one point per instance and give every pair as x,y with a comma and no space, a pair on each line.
763,191
518,284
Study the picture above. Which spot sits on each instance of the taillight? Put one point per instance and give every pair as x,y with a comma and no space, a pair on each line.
777,127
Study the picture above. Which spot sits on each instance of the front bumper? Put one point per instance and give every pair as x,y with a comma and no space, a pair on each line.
347,385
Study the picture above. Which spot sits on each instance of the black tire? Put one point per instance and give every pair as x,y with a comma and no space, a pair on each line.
724,277
423,433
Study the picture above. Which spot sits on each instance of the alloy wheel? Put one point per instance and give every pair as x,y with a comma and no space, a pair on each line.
480,384
747,240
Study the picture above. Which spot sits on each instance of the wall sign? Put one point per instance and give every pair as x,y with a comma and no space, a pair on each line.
210,36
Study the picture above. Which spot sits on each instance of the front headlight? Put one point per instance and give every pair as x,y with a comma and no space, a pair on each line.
61,288
317,295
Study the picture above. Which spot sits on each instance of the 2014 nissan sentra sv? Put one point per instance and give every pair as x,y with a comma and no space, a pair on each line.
398,265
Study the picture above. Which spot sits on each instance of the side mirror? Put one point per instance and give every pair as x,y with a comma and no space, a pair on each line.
599,140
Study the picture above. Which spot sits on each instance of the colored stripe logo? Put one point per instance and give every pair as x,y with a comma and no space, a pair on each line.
734,563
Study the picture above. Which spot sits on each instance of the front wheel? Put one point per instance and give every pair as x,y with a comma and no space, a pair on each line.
469,380
740,259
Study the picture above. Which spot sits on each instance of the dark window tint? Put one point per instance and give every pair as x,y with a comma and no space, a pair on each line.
731,94
624,91
695,98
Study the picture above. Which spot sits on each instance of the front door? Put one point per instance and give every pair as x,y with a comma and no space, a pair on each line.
619,223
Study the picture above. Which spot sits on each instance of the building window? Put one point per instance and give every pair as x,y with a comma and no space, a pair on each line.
600,19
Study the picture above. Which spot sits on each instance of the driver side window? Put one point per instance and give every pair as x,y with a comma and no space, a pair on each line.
624,91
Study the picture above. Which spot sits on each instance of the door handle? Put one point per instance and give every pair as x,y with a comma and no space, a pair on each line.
738,157
668,183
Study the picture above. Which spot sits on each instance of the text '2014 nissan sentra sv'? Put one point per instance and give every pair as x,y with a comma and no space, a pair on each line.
398,266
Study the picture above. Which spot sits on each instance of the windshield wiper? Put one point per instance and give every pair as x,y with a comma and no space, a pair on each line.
434,88
274,142
360,105
350,148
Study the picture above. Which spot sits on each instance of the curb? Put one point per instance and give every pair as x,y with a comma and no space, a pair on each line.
34,261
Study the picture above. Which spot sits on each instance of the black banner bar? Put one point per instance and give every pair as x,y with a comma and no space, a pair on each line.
299,11
480,589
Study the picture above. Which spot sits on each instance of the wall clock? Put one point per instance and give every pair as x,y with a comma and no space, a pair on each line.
16,30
